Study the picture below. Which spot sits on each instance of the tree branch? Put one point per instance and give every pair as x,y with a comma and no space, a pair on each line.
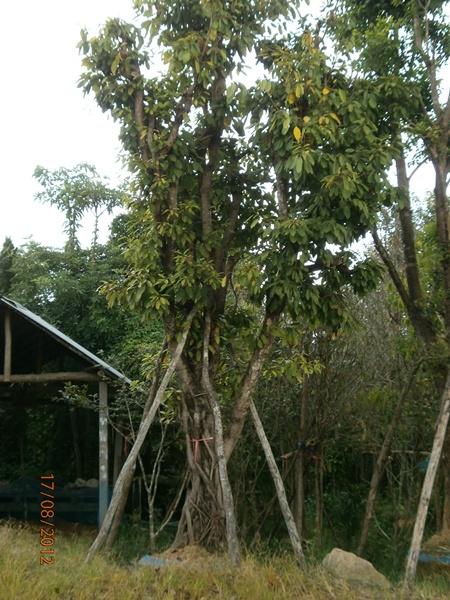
183,106
249,381
396,280
430,63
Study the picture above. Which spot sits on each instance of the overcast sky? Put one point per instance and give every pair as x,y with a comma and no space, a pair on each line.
45,118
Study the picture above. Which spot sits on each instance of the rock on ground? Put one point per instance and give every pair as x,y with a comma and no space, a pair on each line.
354,569
435,555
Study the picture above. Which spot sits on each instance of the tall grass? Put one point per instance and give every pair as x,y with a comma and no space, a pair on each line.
204,578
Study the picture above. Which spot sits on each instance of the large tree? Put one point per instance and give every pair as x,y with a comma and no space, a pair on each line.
246,202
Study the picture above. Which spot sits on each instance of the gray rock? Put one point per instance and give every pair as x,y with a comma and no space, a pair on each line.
92,483
354,569
153,561
82,483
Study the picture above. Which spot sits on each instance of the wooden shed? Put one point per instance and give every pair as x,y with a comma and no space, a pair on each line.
33,352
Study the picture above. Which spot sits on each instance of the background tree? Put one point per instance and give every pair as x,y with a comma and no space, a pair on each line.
7,255
75,192
404,46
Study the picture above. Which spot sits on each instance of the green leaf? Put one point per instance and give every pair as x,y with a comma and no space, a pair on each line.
231,90
116,62
286,124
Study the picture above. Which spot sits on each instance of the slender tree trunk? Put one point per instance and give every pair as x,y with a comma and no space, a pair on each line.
319,495
262,517
87,428
443,230
427,488
126,474
128,481
442,223
279,486
300,465
408,234
151,487
438,488
121,505
76,441
445,522
151,524
382,458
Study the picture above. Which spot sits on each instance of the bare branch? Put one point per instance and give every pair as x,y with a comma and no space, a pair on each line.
417,167
430,64
248,384
396,279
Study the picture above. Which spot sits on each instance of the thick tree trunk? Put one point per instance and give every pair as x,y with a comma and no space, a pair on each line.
427,488
279,487
120,489
202,518
381,460
203,515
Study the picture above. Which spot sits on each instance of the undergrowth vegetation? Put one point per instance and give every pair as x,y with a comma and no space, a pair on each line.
198,577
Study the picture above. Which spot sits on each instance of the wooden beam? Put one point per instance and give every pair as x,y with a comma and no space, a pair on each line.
49,377
103,499
8,347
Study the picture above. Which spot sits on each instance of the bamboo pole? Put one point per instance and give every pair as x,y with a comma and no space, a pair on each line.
279,486
427,488
122,483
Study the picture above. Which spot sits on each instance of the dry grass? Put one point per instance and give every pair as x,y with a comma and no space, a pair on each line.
201,578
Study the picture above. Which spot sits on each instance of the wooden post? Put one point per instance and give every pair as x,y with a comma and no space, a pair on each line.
102,451
8,347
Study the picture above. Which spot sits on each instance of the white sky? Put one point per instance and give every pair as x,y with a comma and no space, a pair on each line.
45,120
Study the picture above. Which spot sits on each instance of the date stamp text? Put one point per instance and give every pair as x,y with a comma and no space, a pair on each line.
47,516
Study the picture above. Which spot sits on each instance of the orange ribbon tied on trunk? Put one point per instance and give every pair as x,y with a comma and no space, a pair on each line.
196,442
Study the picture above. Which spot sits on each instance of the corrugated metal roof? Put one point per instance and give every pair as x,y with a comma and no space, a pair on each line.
63,339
